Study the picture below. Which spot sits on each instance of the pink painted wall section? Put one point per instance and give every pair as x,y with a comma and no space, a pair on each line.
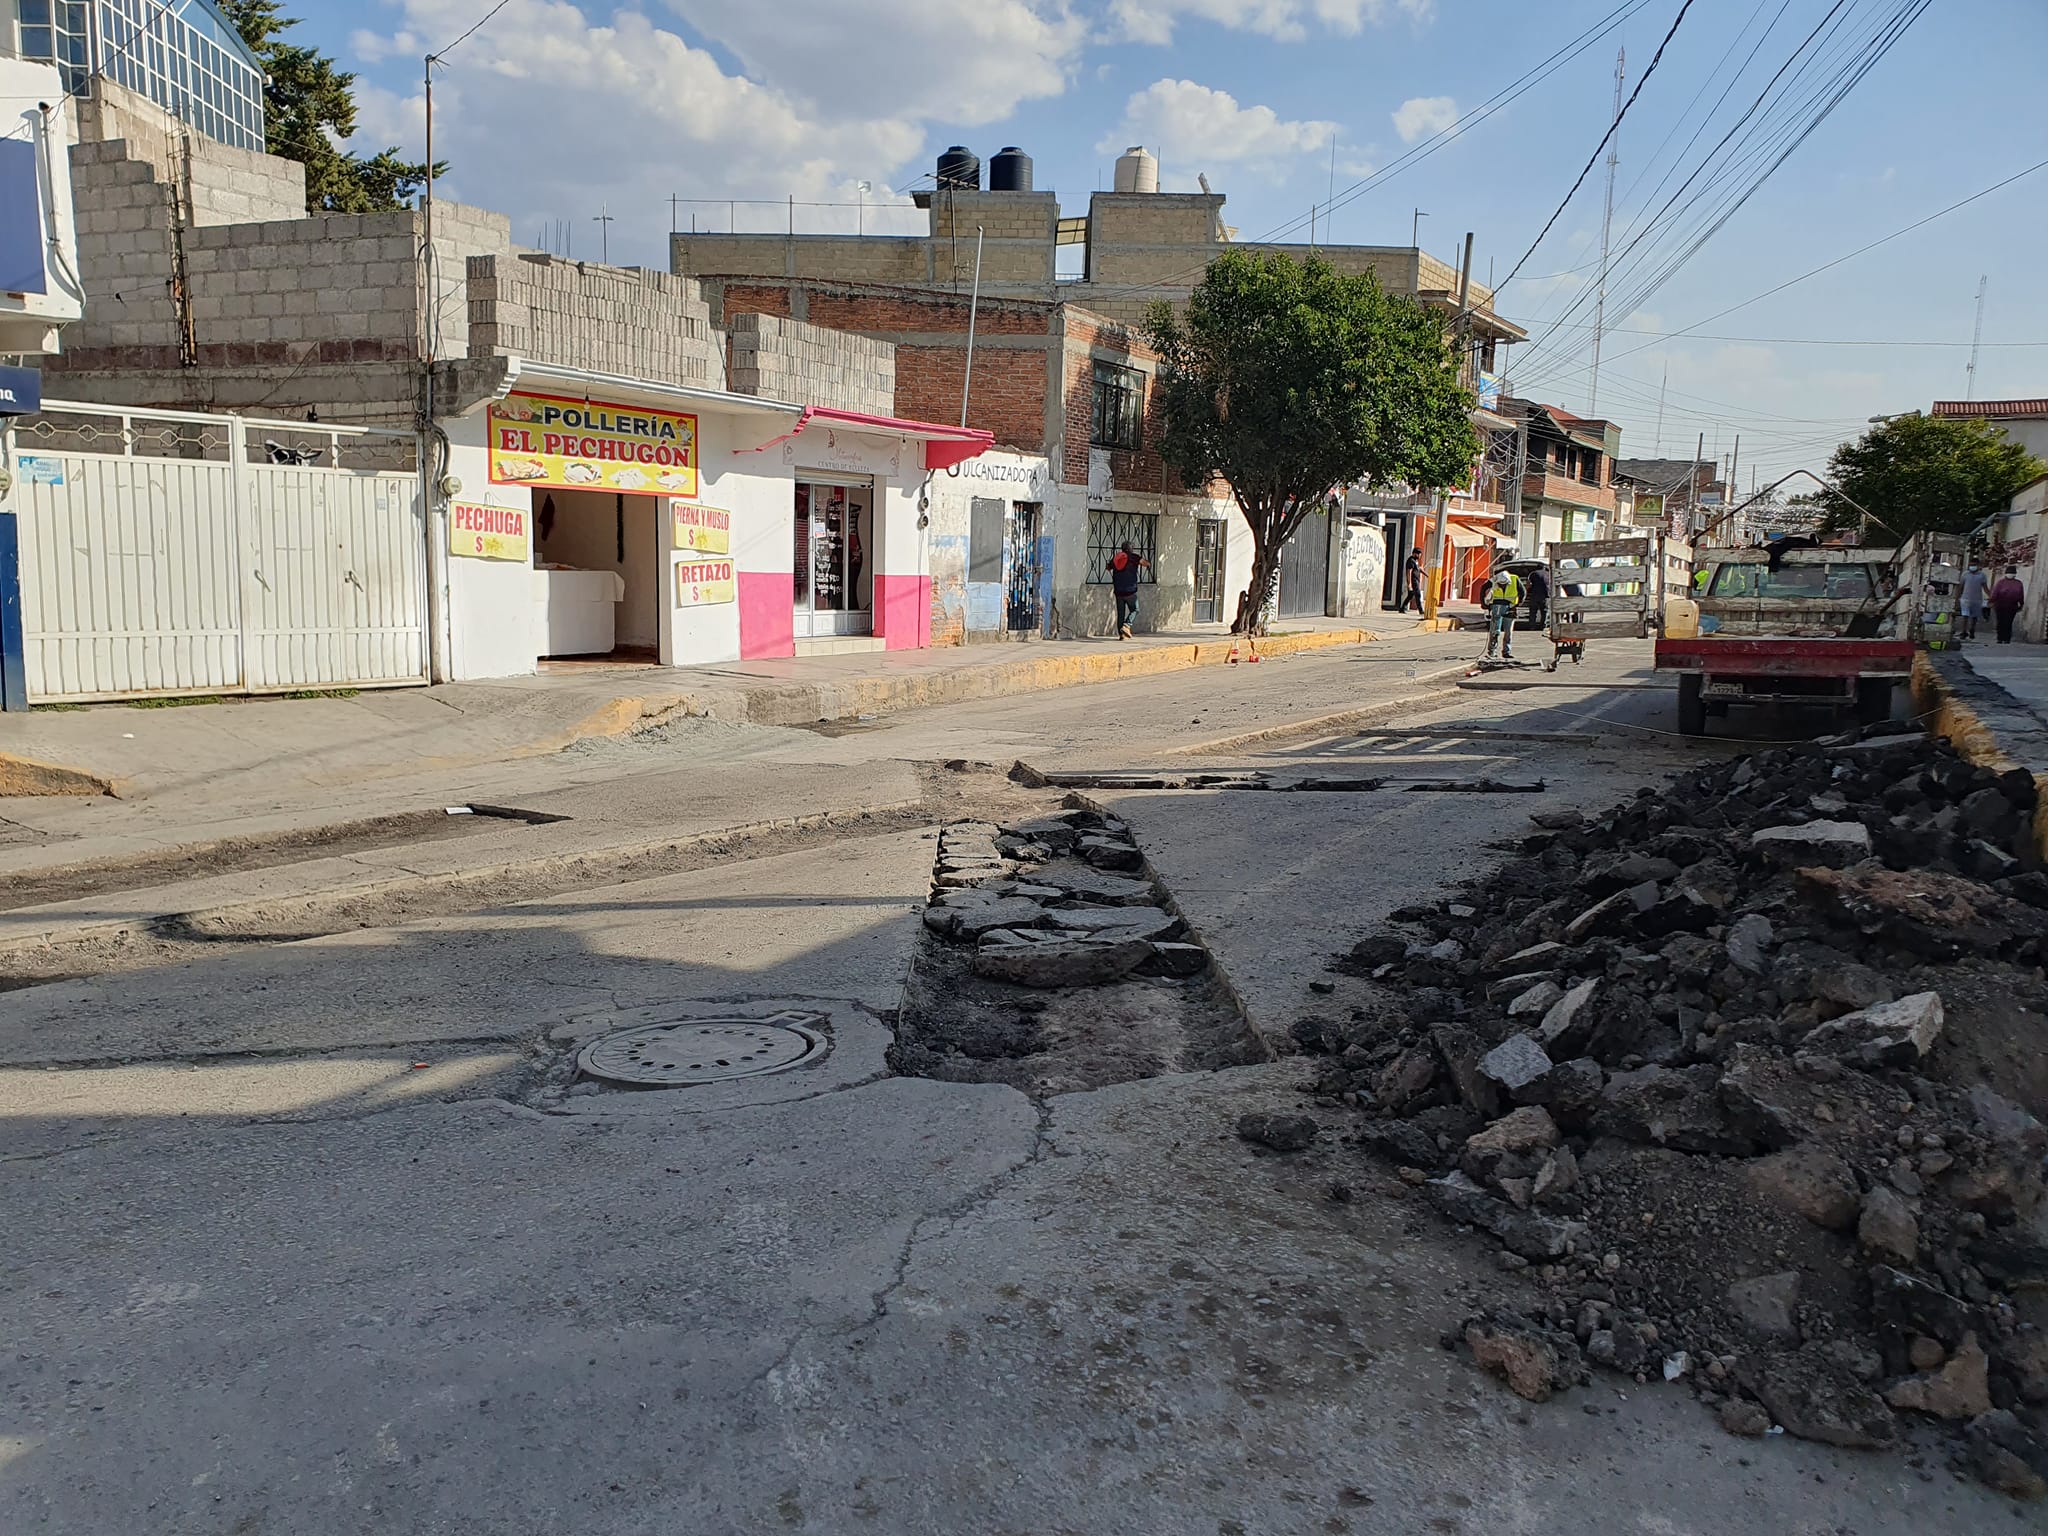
903,611
768,613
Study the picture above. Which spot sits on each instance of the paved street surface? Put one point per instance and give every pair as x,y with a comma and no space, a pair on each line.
322,1236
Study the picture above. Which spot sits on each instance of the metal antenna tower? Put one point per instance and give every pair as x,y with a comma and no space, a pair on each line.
1606,229
1976,340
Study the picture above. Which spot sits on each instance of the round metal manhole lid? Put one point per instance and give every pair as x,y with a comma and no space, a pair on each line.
682,1054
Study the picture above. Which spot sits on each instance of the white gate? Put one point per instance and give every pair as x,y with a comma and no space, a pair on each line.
167,552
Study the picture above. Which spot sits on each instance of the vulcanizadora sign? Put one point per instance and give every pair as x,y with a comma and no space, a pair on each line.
592,445
489,533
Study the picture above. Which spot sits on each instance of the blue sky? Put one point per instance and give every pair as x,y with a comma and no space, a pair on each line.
555,111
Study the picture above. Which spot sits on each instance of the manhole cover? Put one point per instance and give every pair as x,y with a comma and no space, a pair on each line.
699,1051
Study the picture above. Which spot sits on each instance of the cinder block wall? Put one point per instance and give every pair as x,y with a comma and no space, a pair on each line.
788,360
646,325
229,186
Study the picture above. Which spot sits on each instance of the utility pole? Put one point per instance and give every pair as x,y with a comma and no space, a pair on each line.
1606,229
433,336
1415,228
603,221
673,199
1692,492
1435,562
973,305
1657,450
1734,464
1976,340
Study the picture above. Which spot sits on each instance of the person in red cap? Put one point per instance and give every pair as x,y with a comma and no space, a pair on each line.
1123,568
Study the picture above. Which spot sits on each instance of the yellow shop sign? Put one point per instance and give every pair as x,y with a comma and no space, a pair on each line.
590,445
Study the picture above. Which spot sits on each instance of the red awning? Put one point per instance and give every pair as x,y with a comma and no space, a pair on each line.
944,446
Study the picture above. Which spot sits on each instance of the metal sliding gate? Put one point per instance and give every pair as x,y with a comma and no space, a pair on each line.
167,552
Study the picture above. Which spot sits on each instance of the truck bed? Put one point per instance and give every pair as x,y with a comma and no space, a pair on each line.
1786,656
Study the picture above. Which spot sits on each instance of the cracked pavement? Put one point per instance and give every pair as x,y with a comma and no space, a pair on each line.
264,1273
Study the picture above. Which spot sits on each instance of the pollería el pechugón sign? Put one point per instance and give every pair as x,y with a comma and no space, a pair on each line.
592,445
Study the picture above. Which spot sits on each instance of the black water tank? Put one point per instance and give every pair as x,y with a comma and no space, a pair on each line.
1009,171
960,167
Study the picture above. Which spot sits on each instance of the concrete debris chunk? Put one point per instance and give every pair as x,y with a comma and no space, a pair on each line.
1766,1306
1079,960
1887,1225
1884,1035
1828,844
1515,1063
1283,1133
1961,1389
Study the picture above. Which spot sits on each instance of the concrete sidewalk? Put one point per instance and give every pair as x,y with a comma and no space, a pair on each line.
223,747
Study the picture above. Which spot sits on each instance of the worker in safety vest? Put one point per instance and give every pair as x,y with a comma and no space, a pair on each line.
1502,598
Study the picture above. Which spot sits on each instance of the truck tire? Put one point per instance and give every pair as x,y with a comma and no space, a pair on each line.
1873,700
1692,709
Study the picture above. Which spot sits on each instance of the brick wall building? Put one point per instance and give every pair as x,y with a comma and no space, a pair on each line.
1019,537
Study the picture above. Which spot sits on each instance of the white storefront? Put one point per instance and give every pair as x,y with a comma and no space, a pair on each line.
587,515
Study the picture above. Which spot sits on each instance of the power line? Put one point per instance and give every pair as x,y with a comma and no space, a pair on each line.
1594,159
472,32
1827,266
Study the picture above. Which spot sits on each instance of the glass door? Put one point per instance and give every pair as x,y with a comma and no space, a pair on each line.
834,583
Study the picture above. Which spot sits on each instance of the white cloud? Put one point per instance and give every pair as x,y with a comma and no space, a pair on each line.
1153,21
544,116
917,58
1191,124
1420,116
375,47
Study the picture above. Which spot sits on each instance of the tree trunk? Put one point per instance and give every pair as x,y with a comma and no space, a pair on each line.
1251,605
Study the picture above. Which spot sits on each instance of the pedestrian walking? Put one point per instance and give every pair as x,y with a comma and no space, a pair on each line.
1976,596
2007,598
1502,597
1411,582
1123,568
1539,597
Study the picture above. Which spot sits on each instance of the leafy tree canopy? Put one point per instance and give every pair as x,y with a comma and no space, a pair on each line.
308,106
1289,379
1924,472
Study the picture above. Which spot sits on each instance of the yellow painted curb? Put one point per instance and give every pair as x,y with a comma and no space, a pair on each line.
1947,715
25,776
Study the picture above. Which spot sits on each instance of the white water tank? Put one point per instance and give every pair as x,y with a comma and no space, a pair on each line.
1137,170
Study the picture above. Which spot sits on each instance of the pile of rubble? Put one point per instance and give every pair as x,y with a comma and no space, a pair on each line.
1676,1062
1053,902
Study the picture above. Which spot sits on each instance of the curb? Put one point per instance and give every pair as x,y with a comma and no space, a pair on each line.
1987,725
808,703
26,776
305,906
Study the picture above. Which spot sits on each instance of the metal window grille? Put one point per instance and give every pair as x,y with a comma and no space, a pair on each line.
1107,532
1119,419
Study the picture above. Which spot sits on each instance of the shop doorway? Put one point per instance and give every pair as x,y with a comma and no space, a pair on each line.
601,557
1021,607
1209,571
834,557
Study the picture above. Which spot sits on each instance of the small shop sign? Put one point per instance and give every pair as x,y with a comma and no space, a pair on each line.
704,530
591,445
490,533
700,583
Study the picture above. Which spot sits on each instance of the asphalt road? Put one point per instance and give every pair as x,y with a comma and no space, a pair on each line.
324,1242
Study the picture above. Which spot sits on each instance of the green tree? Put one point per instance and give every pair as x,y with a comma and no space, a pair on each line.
1289,380
308,105
1916,472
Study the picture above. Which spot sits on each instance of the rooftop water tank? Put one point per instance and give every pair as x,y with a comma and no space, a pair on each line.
1137,170
1009,170
960,167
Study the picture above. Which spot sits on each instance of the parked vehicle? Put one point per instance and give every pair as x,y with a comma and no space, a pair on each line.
1821,627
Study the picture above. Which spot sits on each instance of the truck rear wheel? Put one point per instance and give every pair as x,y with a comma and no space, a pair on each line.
1692,709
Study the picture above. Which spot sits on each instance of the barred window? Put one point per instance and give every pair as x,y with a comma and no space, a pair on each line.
1119,420
1107,533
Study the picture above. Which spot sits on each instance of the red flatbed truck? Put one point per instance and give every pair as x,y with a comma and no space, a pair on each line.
1818,627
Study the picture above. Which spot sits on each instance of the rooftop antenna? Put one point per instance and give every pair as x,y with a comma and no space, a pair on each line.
1606,230
603,220
1976,340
